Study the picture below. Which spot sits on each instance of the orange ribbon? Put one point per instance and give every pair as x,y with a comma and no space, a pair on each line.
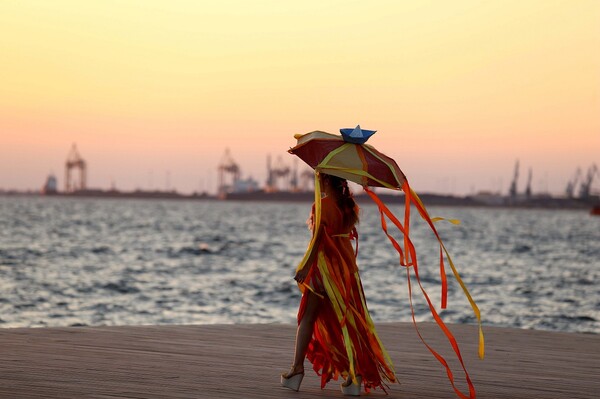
409,258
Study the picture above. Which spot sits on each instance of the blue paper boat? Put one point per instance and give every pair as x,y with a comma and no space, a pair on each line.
356,135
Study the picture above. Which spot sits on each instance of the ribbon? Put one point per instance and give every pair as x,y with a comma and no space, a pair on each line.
411,252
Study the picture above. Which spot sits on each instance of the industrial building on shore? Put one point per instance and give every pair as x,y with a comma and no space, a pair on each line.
288,183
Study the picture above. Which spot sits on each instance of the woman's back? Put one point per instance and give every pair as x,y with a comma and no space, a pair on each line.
337,233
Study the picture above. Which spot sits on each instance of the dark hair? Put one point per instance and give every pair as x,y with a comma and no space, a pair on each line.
345,199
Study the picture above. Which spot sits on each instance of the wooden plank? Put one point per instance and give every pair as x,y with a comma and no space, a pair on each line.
244,361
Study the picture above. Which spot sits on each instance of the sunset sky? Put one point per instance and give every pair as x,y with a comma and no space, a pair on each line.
458,90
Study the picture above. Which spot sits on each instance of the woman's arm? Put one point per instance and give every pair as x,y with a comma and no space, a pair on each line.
314,250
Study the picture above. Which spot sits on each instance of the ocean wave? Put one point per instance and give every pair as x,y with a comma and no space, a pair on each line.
68,263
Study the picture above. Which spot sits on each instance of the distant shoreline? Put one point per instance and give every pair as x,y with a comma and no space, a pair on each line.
536,202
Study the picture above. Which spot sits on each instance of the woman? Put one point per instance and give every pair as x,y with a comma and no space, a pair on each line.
335,331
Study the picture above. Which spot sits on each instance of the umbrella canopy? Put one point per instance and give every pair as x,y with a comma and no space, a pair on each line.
360,163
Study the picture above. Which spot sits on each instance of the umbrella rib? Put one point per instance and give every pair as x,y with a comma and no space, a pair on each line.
326,160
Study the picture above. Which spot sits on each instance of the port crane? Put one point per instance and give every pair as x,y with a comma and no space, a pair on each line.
280,171
228,167
75,161
294,179
528,187
570,189
307,178
513,185
586,185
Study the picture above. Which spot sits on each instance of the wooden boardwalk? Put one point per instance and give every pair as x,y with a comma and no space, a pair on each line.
244,361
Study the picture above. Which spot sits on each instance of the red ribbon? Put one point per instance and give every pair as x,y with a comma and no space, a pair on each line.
410,253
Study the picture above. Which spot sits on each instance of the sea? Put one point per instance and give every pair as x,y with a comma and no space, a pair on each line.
106,262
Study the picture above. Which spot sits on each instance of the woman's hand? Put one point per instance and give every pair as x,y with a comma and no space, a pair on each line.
301,275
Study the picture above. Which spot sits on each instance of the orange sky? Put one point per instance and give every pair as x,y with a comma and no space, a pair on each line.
458,91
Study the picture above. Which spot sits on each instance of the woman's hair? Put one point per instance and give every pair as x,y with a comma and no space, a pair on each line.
345,199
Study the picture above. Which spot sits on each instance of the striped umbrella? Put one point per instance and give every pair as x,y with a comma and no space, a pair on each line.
360,163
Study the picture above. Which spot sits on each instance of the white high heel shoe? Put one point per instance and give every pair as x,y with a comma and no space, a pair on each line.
293,382
352,389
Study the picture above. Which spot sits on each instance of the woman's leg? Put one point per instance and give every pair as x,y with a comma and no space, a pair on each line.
305,332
